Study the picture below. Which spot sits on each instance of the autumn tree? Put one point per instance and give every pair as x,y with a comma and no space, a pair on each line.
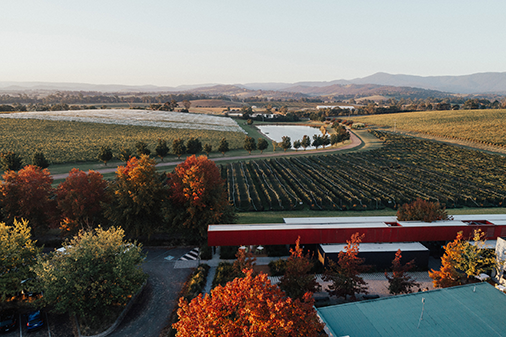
223,146
142,149
11,161
161,149
80,198
262,144
138,197
422,210
344,275
193,146
105,154
208,148
198,197
28,194
473,257
250,144
17,254
305,142
286,143
400,282
178,147
38,159
298,279
249,306
447,275
92,274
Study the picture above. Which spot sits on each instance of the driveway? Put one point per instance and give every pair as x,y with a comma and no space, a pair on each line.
151,311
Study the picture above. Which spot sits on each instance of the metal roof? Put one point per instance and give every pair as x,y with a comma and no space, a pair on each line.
470,310
377,247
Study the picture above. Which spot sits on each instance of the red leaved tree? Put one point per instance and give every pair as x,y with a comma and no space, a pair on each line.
422,210
198,195
400,282
249,306
344,275
80,199
298,280
27,194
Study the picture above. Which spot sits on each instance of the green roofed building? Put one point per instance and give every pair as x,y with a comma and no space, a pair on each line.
470,310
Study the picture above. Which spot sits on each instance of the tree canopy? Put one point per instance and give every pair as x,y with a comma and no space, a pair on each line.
197,192
250,144
92,273
178,147
422,210
105,154
17,254
223,146
400,282
286,143
162,149
262,144
249,306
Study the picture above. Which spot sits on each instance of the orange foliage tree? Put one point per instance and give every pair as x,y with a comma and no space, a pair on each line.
249,306
447,275
298,280
422,210
28,194
344,275
400,282
198,196
138,197
80,199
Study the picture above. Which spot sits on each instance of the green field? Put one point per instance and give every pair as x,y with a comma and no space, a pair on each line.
482,126
70,142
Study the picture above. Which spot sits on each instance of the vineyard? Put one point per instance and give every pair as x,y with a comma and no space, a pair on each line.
65,141
401,171
480,126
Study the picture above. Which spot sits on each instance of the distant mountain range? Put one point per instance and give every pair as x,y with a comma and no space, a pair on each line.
480,83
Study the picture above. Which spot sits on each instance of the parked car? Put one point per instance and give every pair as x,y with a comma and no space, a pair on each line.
34,321
8,321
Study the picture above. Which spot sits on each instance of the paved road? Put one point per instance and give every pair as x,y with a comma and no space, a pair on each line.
355,141
150,314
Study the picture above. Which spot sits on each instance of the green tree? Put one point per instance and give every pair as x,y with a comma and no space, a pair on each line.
223,146
193,146
262,144
298,279
125,154
161,148
286,143
92,274
400,282
178,147
325,141
305,142
250,144
142,149
138,196
17,254
317,141
296,145
39,160
11,161
208,148
105,154
344,275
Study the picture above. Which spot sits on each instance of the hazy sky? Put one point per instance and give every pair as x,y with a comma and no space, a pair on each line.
165,42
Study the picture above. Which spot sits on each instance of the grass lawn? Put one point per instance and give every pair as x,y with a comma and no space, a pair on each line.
277,217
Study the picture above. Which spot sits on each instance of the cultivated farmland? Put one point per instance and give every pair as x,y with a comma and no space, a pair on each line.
481,126
64,141
401,171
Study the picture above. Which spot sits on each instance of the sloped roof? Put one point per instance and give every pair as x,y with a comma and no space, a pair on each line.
470,310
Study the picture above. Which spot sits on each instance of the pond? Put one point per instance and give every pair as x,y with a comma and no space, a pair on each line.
295,132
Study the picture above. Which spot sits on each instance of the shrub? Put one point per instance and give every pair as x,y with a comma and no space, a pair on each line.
277,267
422,210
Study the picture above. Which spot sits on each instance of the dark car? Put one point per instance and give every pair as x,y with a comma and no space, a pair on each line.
34,321
8,321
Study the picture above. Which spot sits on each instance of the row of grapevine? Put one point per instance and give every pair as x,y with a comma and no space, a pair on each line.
403,170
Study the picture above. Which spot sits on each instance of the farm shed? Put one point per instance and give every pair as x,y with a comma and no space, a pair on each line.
470,310
379,255
340,229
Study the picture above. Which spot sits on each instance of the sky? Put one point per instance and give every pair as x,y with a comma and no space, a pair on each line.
187,42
